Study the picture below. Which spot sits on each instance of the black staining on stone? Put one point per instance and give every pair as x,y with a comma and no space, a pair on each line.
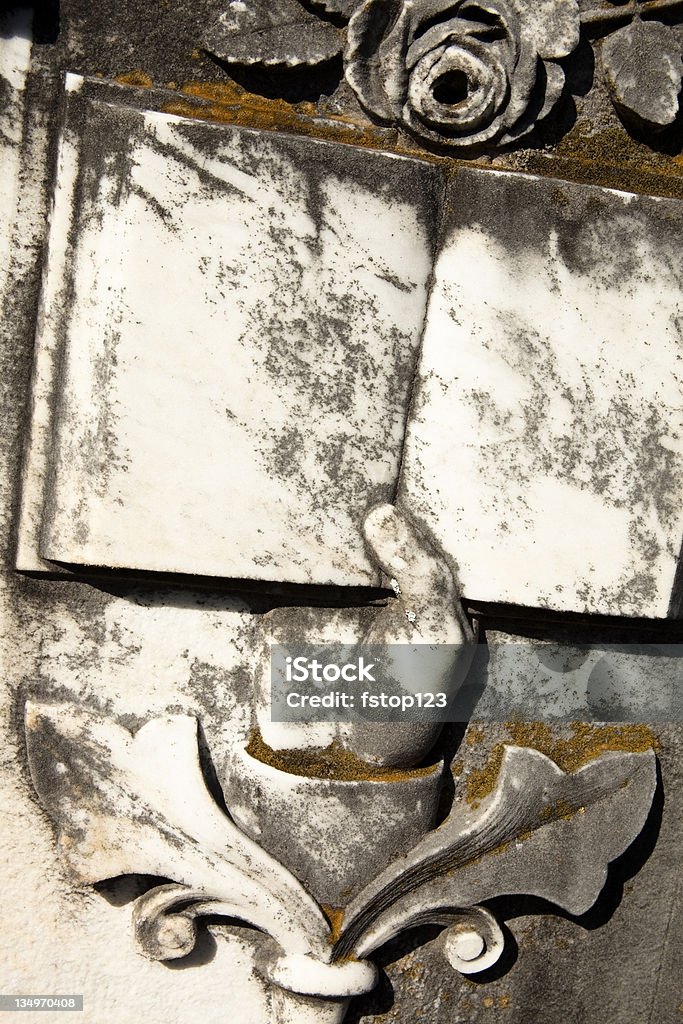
295,342
588,430
106,140
7,102
198,137
596,237
66,776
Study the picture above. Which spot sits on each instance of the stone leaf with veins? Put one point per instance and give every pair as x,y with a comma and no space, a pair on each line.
272,34
461,74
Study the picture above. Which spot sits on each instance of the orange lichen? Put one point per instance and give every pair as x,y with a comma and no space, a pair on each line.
332,762
560,810
473,736
482,781
227,102
586,742
139,79
569,753
335,915
610,158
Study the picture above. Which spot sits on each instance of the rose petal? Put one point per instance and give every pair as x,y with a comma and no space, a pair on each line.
554,85
467,140
393,66
483,101
553,89
455,31
522,82
374,68
507,13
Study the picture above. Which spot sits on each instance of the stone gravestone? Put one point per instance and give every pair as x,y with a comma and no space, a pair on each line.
298,372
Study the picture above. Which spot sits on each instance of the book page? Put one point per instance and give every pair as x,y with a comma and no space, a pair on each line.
545,449
244,312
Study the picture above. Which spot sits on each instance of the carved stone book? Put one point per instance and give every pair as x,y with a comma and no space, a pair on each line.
248,339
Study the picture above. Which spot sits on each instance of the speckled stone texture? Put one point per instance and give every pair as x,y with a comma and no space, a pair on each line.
232,373
544,446
226,391
132,650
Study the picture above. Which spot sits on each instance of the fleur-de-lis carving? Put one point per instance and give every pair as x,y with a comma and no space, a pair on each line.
126,804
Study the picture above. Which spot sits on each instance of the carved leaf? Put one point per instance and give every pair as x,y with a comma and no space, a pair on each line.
542,832
644,69
282,33
128,804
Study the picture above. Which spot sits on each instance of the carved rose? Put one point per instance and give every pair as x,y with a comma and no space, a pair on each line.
461,73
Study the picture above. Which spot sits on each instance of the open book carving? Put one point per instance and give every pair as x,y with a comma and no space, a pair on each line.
247,339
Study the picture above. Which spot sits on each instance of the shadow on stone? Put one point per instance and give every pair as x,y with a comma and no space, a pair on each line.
506,962
295,85
668,141
203,952
124,889
46,22
380,1000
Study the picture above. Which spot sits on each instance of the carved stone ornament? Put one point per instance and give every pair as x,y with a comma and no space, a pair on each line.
463,74
467,74
541,831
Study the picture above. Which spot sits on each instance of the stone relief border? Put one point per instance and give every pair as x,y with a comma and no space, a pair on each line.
468,74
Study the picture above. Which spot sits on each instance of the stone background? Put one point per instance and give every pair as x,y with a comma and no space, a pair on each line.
132,649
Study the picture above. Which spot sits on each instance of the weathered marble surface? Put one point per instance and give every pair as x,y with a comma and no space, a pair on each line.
236,348
545,447
237,351
15,54
170,651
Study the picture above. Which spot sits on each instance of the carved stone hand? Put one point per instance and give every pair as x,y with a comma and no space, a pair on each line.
424,628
